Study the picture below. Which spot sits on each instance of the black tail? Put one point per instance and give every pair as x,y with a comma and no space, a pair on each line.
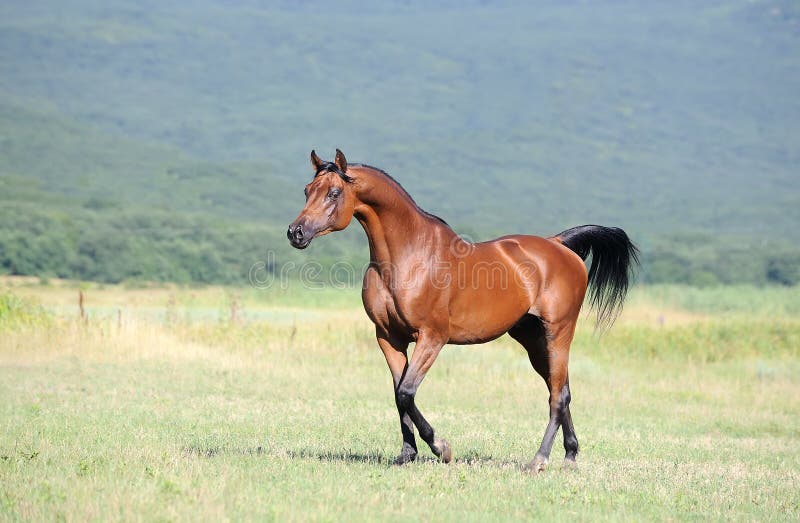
614,257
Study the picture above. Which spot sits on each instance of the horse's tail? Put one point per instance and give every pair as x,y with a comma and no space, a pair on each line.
614,257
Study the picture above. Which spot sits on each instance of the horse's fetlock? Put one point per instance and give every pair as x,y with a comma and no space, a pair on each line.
571,445
425,432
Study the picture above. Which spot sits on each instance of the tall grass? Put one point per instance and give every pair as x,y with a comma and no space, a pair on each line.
17,313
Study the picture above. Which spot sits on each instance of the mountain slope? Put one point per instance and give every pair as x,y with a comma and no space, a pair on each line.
501,117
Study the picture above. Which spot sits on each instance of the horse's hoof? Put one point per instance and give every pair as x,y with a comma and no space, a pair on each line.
570,464
442,450
404,457
536,466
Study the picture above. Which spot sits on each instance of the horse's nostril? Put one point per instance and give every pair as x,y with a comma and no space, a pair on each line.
289,232
298,233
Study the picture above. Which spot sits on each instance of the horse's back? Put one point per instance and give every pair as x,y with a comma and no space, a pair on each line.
548,256
501,280
560,276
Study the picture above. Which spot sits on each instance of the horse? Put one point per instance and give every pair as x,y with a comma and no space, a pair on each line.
427,285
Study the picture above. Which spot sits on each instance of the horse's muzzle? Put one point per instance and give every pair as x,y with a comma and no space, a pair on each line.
298,238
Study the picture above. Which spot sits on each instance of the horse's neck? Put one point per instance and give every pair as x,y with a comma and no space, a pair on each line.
392,221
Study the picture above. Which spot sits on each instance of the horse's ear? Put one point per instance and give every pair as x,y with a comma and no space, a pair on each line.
340,161
315,161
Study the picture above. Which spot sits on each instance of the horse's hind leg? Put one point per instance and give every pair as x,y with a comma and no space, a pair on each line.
570,439
548,351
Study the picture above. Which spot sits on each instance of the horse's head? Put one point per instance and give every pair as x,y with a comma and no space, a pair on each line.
330,200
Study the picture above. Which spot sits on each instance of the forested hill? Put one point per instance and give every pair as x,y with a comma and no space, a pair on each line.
166,140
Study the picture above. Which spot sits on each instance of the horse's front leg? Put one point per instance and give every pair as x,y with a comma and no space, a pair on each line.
396,358
425,352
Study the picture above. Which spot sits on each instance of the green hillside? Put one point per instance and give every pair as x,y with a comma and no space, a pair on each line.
169,141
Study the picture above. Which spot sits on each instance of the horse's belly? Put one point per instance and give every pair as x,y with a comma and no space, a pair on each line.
470,334
483,317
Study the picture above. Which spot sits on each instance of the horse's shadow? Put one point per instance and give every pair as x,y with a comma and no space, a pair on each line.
374,457
380,458
371,457
211,451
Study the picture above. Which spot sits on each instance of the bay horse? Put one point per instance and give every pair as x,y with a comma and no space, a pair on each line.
427,285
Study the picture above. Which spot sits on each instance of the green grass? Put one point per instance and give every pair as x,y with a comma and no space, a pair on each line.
256,418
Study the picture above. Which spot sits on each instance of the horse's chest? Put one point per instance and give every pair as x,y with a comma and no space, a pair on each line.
390,311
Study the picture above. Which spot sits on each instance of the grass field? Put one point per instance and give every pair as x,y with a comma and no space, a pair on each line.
237,404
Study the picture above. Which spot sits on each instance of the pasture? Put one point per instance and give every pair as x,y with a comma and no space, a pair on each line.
238,404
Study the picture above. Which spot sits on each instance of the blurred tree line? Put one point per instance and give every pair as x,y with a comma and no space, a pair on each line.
138,246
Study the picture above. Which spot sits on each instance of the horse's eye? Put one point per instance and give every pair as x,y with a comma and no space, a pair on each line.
334,193
305,191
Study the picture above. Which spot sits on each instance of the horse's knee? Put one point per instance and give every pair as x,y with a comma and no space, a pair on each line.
559,402
565,398
560,397
404,396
